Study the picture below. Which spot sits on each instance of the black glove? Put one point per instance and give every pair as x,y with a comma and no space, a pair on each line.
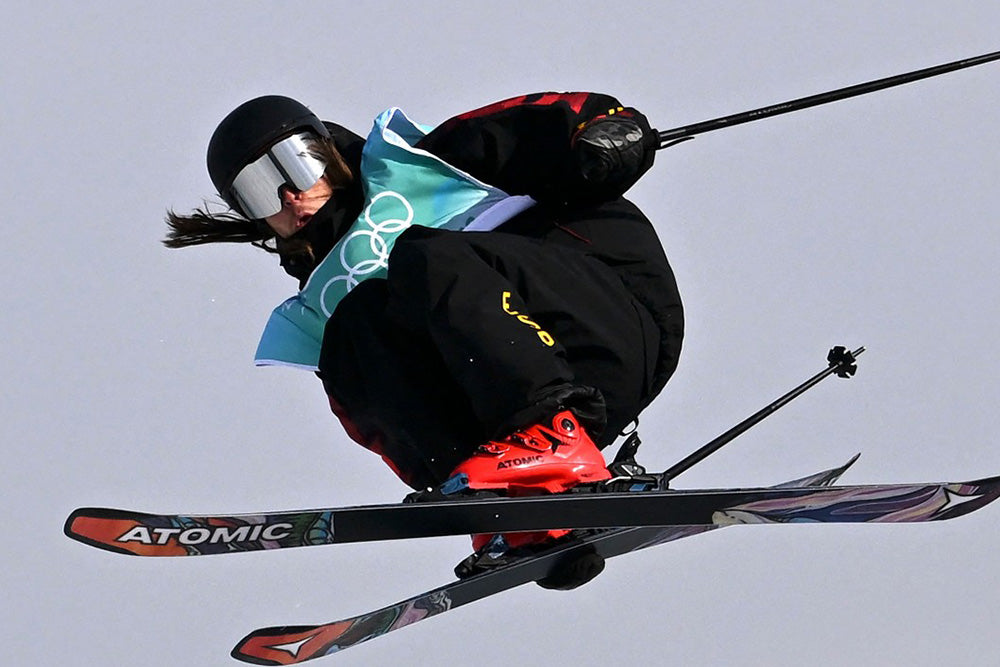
612,152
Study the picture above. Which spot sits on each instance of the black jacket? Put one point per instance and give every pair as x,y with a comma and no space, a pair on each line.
588,266
524,146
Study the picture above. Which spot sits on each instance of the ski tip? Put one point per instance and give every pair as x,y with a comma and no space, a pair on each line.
965,497
102,528
240,653
282,645
824,478
78,523
90,526
833,476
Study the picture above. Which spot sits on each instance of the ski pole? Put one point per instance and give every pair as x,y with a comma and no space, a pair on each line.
670,137
841,363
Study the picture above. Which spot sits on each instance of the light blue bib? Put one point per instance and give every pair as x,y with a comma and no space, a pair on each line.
403,186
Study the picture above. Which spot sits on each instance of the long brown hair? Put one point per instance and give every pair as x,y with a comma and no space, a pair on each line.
205,225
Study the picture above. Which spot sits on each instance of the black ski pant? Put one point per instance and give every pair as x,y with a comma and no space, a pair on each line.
473,335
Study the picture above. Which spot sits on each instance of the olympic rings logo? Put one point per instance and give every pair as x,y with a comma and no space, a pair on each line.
379,237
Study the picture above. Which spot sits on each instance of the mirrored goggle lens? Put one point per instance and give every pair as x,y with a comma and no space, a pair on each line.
257,188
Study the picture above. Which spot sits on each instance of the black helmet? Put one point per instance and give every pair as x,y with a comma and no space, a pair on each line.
249,131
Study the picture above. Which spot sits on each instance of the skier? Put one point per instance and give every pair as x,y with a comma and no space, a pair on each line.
496,336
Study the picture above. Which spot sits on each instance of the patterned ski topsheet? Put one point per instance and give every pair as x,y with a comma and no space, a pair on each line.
289,645
138,533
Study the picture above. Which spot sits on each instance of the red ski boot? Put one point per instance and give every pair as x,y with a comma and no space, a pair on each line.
549,457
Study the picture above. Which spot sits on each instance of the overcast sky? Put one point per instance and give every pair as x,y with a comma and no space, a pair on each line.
128,374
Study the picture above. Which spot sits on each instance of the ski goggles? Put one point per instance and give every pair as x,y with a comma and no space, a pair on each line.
288,163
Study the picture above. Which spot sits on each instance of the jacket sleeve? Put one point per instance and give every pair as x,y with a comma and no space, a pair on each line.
524,145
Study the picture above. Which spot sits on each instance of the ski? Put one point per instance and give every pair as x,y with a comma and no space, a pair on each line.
288,645
142,534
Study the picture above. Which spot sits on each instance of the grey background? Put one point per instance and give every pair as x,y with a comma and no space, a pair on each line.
127,367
